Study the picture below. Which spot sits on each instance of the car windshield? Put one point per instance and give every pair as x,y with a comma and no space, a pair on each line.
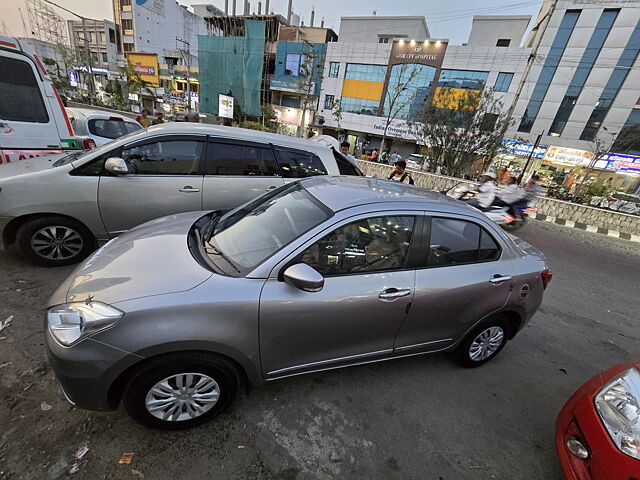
256,230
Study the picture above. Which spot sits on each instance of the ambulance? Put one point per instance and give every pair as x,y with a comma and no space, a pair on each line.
33,121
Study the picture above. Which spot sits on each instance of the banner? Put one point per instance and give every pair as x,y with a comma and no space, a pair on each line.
225,106
146,65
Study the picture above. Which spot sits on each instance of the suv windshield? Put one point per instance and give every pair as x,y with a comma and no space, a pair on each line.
256,230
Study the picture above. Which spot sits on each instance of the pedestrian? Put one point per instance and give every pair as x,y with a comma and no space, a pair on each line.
159,119
344,149
399,173
383,157
502,176
144,119
374,155
395,157
532,190
486,192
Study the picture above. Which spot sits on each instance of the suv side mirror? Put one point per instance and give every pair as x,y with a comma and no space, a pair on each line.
116,166
304,277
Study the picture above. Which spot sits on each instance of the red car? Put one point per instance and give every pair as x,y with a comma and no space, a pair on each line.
598,429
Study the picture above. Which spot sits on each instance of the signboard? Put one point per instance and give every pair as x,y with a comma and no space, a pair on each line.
73,78
287,85
83,68
570,156
133,97
156,6
146,65
225,106
619,163
524,149
397,128
424,53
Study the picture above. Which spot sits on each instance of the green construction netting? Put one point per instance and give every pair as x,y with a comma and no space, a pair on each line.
232,64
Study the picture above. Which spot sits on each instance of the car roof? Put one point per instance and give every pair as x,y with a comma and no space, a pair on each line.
340,192
235,133
89,112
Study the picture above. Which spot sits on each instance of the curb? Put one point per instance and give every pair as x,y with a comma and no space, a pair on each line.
585,227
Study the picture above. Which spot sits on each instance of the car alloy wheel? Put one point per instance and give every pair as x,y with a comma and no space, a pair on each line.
57,242
183,396
486,344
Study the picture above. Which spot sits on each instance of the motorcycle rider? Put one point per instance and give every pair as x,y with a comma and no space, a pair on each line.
486,192
511,196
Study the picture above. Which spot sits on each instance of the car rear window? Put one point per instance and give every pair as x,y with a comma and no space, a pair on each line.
299,164
345,166
107,128
454,242
20,93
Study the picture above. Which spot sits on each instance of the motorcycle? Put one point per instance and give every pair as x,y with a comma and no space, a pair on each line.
498,214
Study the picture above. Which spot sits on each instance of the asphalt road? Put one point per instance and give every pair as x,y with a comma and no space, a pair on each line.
421,417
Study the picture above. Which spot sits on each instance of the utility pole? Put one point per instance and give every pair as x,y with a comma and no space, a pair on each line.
89,65
526,165
186,53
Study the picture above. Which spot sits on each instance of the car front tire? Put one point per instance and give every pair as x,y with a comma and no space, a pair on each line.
181,390
54,241
482,343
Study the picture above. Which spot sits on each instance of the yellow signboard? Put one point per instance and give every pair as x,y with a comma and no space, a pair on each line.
363,89
146,65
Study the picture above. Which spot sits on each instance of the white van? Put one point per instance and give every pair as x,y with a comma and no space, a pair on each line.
33,121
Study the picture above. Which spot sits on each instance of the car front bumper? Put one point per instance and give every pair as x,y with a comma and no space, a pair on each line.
579,418
86,371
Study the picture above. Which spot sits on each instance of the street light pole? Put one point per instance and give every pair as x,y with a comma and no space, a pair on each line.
89,65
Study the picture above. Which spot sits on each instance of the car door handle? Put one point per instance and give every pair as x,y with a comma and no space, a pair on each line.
272,187
391,294
496,279
189,189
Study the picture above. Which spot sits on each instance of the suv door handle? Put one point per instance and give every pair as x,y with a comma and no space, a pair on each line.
189,189
496,279
272,187
391,294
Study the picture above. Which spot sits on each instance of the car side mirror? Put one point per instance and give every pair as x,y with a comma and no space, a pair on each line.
116,166
304,277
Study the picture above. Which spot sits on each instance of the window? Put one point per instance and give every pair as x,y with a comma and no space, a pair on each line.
587,61
253,232
125,3
503,82
548,69
383,40
89,36
617,78
94,57
469,79
345,167
371,73
359,105
104,57
328,102
102,37
167,157
297,164
237,159
20,93
128,47
364,246
292,65
415,94
127,24
503,42
289,101
111,128
334,69
112,35
454,242
628,140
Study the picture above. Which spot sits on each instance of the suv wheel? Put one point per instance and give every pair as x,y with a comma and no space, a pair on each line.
181,390
54,241
482,343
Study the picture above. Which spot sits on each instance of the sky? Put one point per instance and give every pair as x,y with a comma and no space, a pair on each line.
445,18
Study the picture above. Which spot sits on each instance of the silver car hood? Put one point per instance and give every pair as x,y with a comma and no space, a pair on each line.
151,259
28,165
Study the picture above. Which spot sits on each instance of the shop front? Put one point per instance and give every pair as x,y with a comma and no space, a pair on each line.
514,156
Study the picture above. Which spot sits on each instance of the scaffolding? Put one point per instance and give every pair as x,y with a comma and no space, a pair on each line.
45,24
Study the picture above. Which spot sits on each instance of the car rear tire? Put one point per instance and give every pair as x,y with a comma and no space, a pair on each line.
482,343
54,241
181,390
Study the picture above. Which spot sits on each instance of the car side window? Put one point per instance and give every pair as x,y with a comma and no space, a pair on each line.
238,159
367,245
299,164
165,157
454,242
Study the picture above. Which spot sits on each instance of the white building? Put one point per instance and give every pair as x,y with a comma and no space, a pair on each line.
372,29
103,38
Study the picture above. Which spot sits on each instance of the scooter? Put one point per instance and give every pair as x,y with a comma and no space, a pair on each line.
498,214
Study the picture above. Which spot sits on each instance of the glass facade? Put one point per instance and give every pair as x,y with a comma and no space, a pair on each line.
549,69
469,79
359,105
328,102
292,66
628,140
617,78
408,104
371,73
334,69
599,35
503,82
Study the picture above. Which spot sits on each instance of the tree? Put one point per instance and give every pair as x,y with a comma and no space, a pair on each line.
458,126
269,117
336,113
399,97
135,81
310,72
600,147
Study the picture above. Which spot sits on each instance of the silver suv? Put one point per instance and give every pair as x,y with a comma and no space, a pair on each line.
322,273
57,215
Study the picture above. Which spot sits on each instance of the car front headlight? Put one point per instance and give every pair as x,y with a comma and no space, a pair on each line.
70,322
618,404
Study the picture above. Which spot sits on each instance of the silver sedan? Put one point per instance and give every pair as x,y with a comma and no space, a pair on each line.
171,317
